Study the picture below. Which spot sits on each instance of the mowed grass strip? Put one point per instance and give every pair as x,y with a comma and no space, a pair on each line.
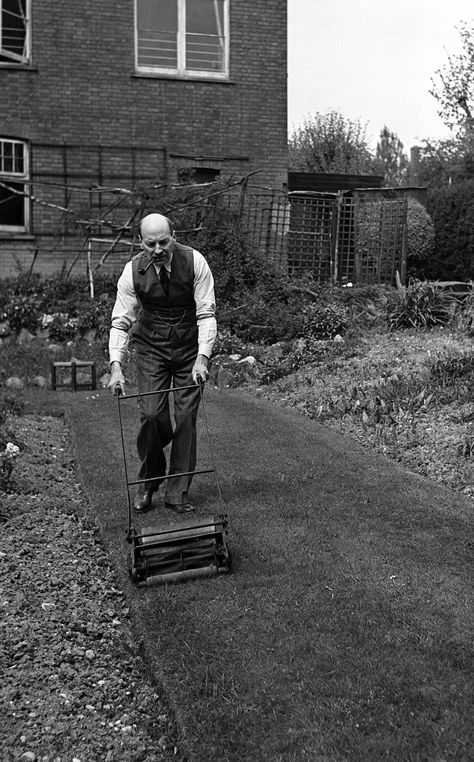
345,632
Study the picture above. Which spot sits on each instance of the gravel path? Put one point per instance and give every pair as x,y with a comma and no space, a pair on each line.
73,684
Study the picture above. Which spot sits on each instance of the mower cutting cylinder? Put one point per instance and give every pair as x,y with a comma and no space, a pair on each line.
189,550
183,576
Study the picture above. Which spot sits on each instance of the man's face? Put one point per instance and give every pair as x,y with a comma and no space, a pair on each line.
157,241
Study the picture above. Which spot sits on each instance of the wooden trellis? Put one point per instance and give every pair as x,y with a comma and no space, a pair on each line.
91,198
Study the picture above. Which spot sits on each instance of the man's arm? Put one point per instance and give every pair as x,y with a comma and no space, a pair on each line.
124,314
206,316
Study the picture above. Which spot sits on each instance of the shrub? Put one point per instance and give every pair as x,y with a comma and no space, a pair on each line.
269,311
10,405
227,343
22,311
420,231
452,210
324,321
62,328
419,305
95,315
261,316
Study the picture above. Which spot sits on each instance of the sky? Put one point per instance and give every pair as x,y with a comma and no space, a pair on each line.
373,61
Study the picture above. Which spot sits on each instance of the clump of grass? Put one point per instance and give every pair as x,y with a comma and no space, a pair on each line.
453,376
421,304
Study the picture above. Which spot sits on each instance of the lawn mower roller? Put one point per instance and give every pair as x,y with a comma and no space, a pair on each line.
192,548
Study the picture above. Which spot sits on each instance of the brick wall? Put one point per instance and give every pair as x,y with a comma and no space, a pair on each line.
81,89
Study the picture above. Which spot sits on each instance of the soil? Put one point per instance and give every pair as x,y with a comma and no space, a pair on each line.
73,683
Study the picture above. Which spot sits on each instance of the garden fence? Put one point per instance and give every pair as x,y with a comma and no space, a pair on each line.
336,238
357,237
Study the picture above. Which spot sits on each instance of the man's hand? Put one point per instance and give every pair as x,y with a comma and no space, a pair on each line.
117,379
200,373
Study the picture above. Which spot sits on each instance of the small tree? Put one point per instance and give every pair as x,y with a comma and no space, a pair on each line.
330,143
453,85
390,159
420,236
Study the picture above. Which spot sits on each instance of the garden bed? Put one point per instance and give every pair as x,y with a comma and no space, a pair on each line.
427,423
74,686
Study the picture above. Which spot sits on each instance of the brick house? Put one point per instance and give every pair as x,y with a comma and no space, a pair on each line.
125,94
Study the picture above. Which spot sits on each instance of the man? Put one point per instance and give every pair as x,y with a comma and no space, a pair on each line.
166,292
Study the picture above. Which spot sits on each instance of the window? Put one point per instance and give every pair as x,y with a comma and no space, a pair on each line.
13,176
198,175
182,37
14,31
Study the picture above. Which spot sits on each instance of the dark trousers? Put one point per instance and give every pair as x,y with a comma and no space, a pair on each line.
165,356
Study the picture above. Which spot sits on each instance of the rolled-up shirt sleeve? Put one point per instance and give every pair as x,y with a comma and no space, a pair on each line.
124,315
205,304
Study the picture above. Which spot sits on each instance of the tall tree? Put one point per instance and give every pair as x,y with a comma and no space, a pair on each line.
453,85
390,159
330,143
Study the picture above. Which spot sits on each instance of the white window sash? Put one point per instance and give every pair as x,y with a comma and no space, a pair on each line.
181,35
6,178
181,69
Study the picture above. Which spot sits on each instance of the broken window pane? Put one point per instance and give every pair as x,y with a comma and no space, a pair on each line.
14,31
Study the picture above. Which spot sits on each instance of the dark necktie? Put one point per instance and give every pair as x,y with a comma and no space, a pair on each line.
164,280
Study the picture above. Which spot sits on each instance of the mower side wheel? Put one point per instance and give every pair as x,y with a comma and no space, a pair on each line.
132,569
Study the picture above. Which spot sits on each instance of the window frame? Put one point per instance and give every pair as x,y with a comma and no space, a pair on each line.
181,72
21,178
14,59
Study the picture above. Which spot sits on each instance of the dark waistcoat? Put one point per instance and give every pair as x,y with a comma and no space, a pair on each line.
151,296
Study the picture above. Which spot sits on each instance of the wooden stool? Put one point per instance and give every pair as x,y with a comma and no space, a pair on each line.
74,384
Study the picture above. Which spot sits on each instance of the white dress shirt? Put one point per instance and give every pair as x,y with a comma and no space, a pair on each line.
127,308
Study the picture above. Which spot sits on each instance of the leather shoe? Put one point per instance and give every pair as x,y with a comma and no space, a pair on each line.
180,507
142,500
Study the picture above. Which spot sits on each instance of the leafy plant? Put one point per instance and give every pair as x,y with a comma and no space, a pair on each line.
453,376
421,304
466,446
62,328
10,405
324,321
465,315
22,311
8,452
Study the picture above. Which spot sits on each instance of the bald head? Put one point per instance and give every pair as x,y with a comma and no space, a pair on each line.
155,226
157,237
